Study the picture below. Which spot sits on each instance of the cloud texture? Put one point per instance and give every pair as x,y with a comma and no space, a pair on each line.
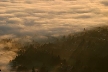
44,18
50,17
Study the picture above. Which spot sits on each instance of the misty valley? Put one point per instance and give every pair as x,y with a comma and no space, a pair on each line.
85,51
53,35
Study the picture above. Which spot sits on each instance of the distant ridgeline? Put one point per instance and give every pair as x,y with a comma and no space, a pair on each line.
83,52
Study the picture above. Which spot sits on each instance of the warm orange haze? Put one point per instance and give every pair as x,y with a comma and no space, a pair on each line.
45,20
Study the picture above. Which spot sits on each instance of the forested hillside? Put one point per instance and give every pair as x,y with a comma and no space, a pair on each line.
86,51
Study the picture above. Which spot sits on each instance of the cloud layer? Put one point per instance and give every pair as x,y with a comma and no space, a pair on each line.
50,17
44,18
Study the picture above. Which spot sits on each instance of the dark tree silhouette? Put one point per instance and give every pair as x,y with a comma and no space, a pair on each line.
83,52
33,69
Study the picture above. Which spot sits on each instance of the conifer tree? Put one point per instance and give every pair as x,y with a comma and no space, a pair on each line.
33,69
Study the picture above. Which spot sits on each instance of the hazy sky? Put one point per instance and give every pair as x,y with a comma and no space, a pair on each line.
47,18
43,18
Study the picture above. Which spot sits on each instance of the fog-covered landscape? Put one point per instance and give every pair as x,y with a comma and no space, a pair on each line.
49,26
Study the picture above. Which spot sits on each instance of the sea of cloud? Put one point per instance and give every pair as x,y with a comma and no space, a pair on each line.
41,19
50,17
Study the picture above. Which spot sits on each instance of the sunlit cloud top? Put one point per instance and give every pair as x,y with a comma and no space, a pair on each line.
50,17
45,19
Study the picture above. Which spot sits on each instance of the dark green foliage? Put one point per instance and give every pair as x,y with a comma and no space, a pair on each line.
43,69
21,68
83,52
33,69
36,57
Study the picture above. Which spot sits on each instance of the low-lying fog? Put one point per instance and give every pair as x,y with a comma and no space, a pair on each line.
42,19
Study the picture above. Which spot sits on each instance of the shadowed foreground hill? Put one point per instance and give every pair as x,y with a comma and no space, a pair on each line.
83,52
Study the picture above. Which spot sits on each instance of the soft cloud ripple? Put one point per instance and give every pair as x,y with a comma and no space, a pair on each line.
48,18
